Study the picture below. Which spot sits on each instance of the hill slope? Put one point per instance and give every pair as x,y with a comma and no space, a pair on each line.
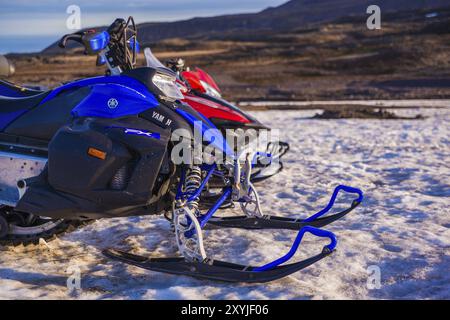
289,16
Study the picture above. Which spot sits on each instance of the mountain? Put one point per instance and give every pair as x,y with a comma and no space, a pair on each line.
289,16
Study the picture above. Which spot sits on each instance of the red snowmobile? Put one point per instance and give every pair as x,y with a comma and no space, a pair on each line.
203,94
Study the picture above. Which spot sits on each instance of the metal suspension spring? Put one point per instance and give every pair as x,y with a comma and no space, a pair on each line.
192,183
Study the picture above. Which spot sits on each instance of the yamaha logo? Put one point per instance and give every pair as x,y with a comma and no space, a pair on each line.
113,103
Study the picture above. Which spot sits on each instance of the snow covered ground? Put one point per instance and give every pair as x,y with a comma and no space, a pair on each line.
403,226
409,103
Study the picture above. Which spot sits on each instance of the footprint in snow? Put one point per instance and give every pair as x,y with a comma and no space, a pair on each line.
285,195
392,248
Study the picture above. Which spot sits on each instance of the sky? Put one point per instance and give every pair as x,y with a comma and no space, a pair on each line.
29,25
48,17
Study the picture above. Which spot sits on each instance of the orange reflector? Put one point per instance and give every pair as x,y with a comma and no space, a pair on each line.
97,153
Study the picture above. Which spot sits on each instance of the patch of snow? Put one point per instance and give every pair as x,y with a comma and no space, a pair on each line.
409,103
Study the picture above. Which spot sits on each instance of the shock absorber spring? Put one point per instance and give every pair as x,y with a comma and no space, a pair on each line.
192,183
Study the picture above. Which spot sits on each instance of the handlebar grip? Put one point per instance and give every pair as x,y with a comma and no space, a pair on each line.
75,37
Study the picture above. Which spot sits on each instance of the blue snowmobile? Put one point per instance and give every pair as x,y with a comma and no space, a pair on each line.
103,147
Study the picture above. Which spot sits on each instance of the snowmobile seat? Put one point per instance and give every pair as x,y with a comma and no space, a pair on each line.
16,105
43,121
12,108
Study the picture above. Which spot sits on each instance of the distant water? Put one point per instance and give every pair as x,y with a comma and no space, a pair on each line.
24,44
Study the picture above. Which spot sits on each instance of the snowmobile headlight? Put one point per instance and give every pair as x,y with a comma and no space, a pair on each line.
167,85
210,90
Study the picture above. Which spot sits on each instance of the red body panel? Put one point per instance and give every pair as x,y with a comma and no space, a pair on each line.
211,109
194,78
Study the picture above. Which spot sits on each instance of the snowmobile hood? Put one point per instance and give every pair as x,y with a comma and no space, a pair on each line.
195,78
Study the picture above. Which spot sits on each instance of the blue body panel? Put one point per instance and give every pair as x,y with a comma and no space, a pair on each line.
132,98
112,100
131,83
7,118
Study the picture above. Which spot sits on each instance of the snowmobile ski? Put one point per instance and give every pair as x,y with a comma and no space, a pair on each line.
226,271
275,152
274,222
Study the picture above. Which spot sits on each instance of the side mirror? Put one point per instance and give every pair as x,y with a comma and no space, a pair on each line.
7,69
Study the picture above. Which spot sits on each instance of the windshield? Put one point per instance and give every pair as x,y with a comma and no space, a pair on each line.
153,61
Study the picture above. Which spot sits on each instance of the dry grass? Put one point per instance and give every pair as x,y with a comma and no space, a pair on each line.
336,61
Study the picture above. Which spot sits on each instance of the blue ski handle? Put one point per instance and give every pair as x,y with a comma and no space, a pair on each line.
333,199
315,231
349,189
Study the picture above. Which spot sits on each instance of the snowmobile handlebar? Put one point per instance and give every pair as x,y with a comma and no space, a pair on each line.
91,40
120,38
72,37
